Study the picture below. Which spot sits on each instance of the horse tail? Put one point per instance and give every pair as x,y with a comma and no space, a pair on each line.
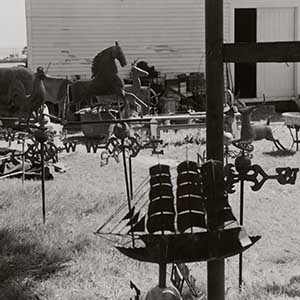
38,90
67,100
79,93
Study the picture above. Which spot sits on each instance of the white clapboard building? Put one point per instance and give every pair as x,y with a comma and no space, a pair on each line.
64,36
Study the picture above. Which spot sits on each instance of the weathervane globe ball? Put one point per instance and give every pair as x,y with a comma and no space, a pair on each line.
41,136
242,163
121,131
168,293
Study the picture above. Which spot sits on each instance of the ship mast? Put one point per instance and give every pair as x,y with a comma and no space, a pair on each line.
161,212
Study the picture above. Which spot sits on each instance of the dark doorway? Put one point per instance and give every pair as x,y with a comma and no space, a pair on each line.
245,73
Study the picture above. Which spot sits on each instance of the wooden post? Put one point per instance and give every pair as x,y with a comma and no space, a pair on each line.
214,122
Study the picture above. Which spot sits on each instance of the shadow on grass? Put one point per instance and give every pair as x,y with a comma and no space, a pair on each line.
281,153
291,289
24,260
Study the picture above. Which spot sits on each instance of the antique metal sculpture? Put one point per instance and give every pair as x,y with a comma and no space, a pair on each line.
185,233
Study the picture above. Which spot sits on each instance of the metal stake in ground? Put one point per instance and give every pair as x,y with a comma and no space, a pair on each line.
130,176
41,137
23,161
43,181
128,185
241,223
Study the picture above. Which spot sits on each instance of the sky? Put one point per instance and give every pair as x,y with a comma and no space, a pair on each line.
12,26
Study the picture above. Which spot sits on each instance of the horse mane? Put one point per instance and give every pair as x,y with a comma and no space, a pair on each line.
99,63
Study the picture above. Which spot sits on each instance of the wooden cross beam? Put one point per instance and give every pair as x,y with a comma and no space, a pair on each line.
262,52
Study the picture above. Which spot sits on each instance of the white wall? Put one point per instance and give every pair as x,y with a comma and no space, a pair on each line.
168,34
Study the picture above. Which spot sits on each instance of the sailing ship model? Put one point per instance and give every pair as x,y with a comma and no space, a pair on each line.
176,230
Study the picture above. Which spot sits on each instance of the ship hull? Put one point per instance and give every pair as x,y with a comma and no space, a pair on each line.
201,246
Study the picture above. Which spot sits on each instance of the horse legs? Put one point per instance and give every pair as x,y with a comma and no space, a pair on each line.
30,113
125,111
61,107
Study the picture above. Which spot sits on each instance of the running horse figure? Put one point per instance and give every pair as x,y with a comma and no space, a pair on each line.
105,72
105,78
105,81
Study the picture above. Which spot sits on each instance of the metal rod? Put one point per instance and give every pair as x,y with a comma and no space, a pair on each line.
146,119
43,181
162,275
242,202
9,118
214,124
297,140
23,161
140,120
53,117
10,174
127,187
241,223
130,177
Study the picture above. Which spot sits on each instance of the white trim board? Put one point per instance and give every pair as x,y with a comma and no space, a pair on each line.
264,3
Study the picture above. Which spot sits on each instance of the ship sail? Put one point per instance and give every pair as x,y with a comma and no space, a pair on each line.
211,179
139,226
161,211
190,211
226,216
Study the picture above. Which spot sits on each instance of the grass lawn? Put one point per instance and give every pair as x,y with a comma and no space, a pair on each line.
64,260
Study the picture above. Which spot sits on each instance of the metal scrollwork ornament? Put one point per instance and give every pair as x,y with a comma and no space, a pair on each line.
243,170
115,146
33,153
